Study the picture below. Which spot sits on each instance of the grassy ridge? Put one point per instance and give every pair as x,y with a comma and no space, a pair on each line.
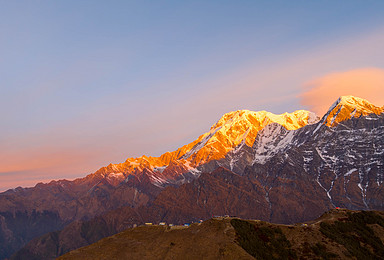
337,234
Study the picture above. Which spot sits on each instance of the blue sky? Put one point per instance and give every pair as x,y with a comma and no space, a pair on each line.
86,83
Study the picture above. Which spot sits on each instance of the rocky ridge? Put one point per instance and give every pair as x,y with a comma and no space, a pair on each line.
233,129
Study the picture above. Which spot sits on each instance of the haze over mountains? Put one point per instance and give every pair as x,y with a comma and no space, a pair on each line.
281,168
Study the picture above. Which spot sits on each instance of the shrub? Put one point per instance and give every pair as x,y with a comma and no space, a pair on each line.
262,242
351,232
320,250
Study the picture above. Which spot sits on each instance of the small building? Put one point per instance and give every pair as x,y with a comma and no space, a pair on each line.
162,223
171,225
148,224
186,225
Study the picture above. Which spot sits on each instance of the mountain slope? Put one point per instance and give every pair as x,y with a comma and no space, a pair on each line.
133,183
140,179
210,240
220,192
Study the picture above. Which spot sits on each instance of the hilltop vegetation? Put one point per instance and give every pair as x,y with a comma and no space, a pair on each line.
263,242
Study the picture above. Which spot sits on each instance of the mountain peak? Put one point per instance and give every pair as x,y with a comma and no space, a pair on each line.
241,128
347,107
361,103
290,121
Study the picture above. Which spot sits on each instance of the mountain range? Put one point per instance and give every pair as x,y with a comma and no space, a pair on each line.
284,169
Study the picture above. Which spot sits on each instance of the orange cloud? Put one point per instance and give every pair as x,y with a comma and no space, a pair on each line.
367,83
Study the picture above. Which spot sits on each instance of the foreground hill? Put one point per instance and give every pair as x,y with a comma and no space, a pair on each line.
337,234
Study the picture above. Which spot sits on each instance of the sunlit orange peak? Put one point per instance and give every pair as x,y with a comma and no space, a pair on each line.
347,107
230,131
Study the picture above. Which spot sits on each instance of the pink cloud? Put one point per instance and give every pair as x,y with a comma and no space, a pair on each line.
367,83
26,167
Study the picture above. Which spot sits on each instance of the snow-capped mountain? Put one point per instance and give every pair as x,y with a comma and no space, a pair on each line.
280,168
343,155
228,139
232,131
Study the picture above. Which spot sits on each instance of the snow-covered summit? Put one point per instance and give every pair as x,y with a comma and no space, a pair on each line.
347,107
243,125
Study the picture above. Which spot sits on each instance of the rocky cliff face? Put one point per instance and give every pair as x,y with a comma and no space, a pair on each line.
280,168
346,160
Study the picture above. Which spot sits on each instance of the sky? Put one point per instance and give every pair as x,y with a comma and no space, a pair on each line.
88,83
